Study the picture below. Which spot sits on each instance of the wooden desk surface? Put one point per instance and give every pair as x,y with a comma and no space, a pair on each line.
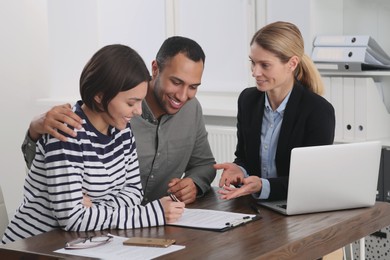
275,236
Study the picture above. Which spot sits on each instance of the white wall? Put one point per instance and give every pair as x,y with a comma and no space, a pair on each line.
24,78
77,29
223,28
311,16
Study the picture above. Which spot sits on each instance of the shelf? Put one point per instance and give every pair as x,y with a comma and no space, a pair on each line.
371,73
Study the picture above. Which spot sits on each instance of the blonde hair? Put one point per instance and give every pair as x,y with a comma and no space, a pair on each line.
285,40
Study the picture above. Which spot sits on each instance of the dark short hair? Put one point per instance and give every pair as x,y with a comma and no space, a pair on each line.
112,69
178,44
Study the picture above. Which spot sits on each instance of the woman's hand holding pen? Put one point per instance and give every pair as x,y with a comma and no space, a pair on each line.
173,210
251,184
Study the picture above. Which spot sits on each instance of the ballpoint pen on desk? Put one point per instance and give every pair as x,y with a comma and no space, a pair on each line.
242,221
255,208
245,219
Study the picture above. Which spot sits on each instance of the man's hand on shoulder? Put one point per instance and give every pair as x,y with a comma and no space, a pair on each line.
53,120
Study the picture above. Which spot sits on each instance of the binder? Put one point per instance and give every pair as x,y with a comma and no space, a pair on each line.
336,97
349,53
361,89
348,40
360,111
348,66
348,109
344,40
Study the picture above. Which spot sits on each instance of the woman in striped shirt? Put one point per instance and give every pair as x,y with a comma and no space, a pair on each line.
92,182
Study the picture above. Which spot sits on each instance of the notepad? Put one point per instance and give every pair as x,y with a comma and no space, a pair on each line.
215,220
116,250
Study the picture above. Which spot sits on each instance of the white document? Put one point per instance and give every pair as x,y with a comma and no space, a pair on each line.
212,219
115,250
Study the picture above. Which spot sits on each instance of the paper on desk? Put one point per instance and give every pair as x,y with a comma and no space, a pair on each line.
116,250
212,219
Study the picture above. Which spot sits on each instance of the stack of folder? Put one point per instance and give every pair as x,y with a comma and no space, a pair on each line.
349,53
361,113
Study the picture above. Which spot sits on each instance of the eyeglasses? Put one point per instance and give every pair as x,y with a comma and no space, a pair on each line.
88,242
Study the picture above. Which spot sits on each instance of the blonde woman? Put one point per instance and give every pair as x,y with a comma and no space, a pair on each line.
284,110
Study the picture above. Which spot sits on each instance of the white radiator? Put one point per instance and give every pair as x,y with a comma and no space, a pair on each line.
223,142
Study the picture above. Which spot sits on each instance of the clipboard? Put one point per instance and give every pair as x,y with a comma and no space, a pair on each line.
213,220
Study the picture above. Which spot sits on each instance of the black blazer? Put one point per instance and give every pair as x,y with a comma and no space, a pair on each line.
308,120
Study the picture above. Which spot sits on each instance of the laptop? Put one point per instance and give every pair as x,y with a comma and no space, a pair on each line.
331,177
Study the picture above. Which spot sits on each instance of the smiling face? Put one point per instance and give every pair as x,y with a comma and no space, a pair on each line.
172,87
270,73
124,106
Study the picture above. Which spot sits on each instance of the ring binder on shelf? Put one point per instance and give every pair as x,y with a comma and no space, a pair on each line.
349,53
348,66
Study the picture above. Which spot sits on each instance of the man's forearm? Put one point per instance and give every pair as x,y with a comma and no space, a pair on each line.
34,135
28,150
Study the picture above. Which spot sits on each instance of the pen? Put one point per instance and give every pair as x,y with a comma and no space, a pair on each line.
173,197
239,222
254,208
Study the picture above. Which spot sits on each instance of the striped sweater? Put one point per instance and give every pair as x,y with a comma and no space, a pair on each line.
104,167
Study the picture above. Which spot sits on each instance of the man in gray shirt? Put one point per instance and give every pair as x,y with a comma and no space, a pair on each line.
172,145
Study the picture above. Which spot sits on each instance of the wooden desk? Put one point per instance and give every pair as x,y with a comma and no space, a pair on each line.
274,236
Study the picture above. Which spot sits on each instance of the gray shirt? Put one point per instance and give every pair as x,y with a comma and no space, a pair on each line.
174,145
166,149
